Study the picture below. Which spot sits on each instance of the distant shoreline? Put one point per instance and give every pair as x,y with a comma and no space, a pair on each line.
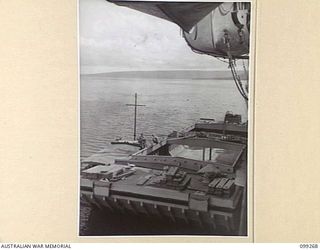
170,74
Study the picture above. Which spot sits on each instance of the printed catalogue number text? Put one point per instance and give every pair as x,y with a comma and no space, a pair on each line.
308,245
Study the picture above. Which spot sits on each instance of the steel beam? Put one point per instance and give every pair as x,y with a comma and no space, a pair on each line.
106,203
199,219
144,208
205,142
160,213
119,206
184,216
133,208
171,214
95,202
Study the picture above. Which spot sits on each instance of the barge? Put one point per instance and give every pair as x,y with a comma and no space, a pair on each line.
196,176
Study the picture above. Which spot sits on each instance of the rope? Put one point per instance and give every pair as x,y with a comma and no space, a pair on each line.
235,76
237,80
247,74
245,70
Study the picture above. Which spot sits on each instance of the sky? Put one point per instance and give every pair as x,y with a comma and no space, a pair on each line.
114,38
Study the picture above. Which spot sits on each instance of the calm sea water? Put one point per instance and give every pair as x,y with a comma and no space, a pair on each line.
170,105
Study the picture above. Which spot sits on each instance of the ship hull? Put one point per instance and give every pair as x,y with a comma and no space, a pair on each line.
213,221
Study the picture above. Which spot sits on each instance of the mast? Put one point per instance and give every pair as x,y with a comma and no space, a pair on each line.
135,105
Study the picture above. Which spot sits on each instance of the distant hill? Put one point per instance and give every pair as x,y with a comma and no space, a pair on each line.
171,74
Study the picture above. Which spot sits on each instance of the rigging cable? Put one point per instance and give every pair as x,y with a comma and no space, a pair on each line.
246,73
237,80
232,62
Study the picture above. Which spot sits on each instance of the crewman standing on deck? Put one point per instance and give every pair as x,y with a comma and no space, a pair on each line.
155,139
142,141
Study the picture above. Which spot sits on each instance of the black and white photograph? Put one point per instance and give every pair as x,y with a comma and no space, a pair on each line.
164,99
